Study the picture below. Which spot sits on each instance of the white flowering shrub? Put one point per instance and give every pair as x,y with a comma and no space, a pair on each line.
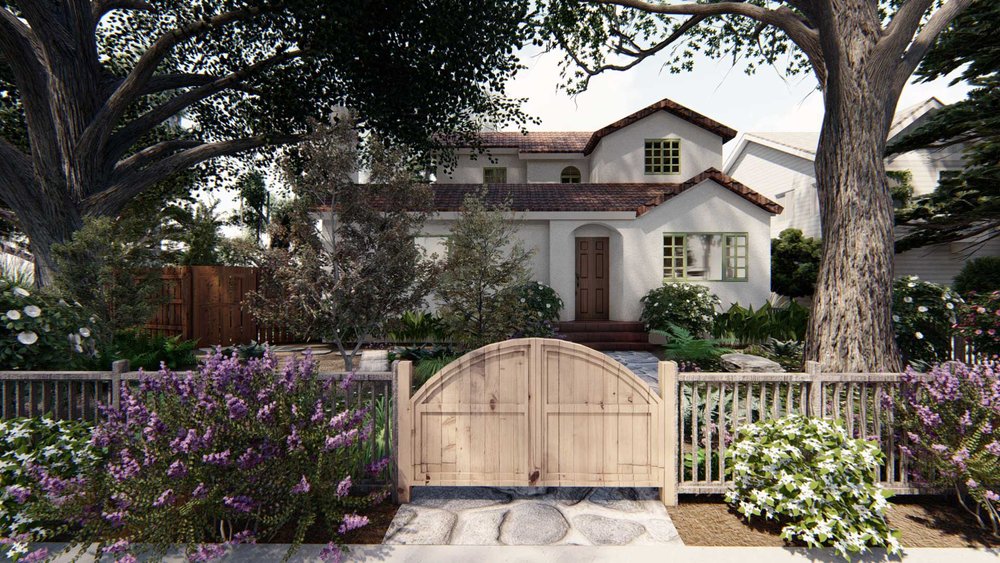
689,306
810,475
38,331
30,448
924,316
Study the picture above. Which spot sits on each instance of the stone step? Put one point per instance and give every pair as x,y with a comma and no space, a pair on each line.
621,346
584,337
600,326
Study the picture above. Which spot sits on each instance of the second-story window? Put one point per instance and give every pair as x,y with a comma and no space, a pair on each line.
570,175
494,175
663,156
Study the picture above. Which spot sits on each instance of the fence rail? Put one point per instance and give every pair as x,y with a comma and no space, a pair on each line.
711,406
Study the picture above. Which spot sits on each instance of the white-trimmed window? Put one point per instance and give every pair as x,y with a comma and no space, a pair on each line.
494,175
705,256
663,156
570,175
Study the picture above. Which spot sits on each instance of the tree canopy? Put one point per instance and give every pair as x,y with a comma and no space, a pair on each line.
967,204
89,81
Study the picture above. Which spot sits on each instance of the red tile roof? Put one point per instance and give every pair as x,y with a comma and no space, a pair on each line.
634,197
585,141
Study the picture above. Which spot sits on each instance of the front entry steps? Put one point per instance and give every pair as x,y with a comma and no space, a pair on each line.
608,336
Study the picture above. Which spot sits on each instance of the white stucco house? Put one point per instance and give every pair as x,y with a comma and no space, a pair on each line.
780,165
613,213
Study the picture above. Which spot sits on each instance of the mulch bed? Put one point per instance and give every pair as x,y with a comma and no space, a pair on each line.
379,518
922,522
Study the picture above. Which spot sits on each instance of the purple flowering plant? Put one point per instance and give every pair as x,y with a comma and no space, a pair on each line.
950,425
235,452
979,323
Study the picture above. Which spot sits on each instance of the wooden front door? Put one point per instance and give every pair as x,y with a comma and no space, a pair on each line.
592,279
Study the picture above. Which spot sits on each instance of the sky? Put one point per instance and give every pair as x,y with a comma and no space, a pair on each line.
765,101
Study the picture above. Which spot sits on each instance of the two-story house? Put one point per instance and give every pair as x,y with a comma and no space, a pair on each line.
781,166
613,213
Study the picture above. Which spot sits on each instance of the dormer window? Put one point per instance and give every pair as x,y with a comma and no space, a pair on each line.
494,175
663,156
570,175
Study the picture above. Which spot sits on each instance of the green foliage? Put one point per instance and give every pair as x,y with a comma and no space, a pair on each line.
111,269
196,233
255,203
346,290
682,346
979,323
923,316
901,186
148,351
949,420
417,327
428,367
484,264
686,305
235,452
40,331
795,263
814,478
789,353
980,275
61,449
968,203
747,326
542,307
427,360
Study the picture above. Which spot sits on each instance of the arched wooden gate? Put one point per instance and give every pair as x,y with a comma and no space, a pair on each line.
530,412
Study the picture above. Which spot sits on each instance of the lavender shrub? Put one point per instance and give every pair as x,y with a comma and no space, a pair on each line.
951,426
236,452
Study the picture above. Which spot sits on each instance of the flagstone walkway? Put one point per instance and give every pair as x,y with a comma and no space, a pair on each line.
643,364
532,516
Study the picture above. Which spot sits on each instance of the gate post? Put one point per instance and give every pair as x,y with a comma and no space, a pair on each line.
403,382
668,391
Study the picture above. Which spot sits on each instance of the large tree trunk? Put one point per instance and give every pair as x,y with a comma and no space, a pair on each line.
851,325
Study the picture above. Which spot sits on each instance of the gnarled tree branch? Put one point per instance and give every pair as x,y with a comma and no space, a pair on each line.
925,39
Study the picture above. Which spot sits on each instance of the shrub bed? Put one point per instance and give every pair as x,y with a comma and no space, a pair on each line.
689,306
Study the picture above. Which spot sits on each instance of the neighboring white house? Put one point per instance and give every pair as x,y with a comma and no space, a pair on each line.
611,214
780,165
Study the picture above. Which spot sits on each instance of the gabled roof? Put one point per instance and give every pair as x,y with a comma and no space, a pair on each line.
669,106
803,143
631,197
585,141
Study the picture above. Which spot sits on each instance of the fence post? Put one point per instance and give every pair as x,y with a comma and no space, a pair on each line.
815,390
118,367
668,391
403,382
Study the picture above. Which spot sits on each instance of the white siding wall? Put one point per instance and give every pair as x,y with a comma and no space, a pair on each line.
619,157
773,173
469,171
941,263
926,165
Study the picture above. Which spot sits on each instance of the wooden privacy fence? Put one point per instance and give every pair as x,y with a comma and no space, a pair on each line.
530,412
542,412
205,303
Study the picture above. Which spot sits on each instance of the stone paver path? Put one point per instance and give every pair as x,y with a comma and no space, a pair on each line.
532,516
643,364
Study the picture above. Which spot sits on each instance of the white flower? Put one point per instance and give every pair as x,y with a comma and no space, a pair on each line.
895,318
907,299
32,311
949,306
922,309
27,338
13,314
919,335
911,284
21,291
84,332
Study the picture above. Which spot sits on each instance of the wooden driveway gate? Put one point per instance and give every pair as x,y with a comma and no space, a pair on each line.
531,412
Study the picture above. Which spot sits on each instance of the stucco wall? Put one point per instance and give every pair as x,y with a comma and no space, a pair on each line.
619,157
542,171
470,171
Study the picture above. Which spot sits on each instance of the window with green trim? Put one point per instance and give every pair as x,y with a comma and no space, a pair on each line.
705,256
494,175
663,156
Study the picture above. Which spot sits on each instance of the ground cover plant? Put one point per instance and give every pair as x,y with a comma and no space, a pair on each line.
687,350
235,452
687,305
923,316
951,422
30,447
810,475
746,326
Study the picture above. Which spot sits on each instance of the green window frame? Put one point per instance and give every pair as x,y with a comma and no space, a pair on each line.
662,156
494,175
734,257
